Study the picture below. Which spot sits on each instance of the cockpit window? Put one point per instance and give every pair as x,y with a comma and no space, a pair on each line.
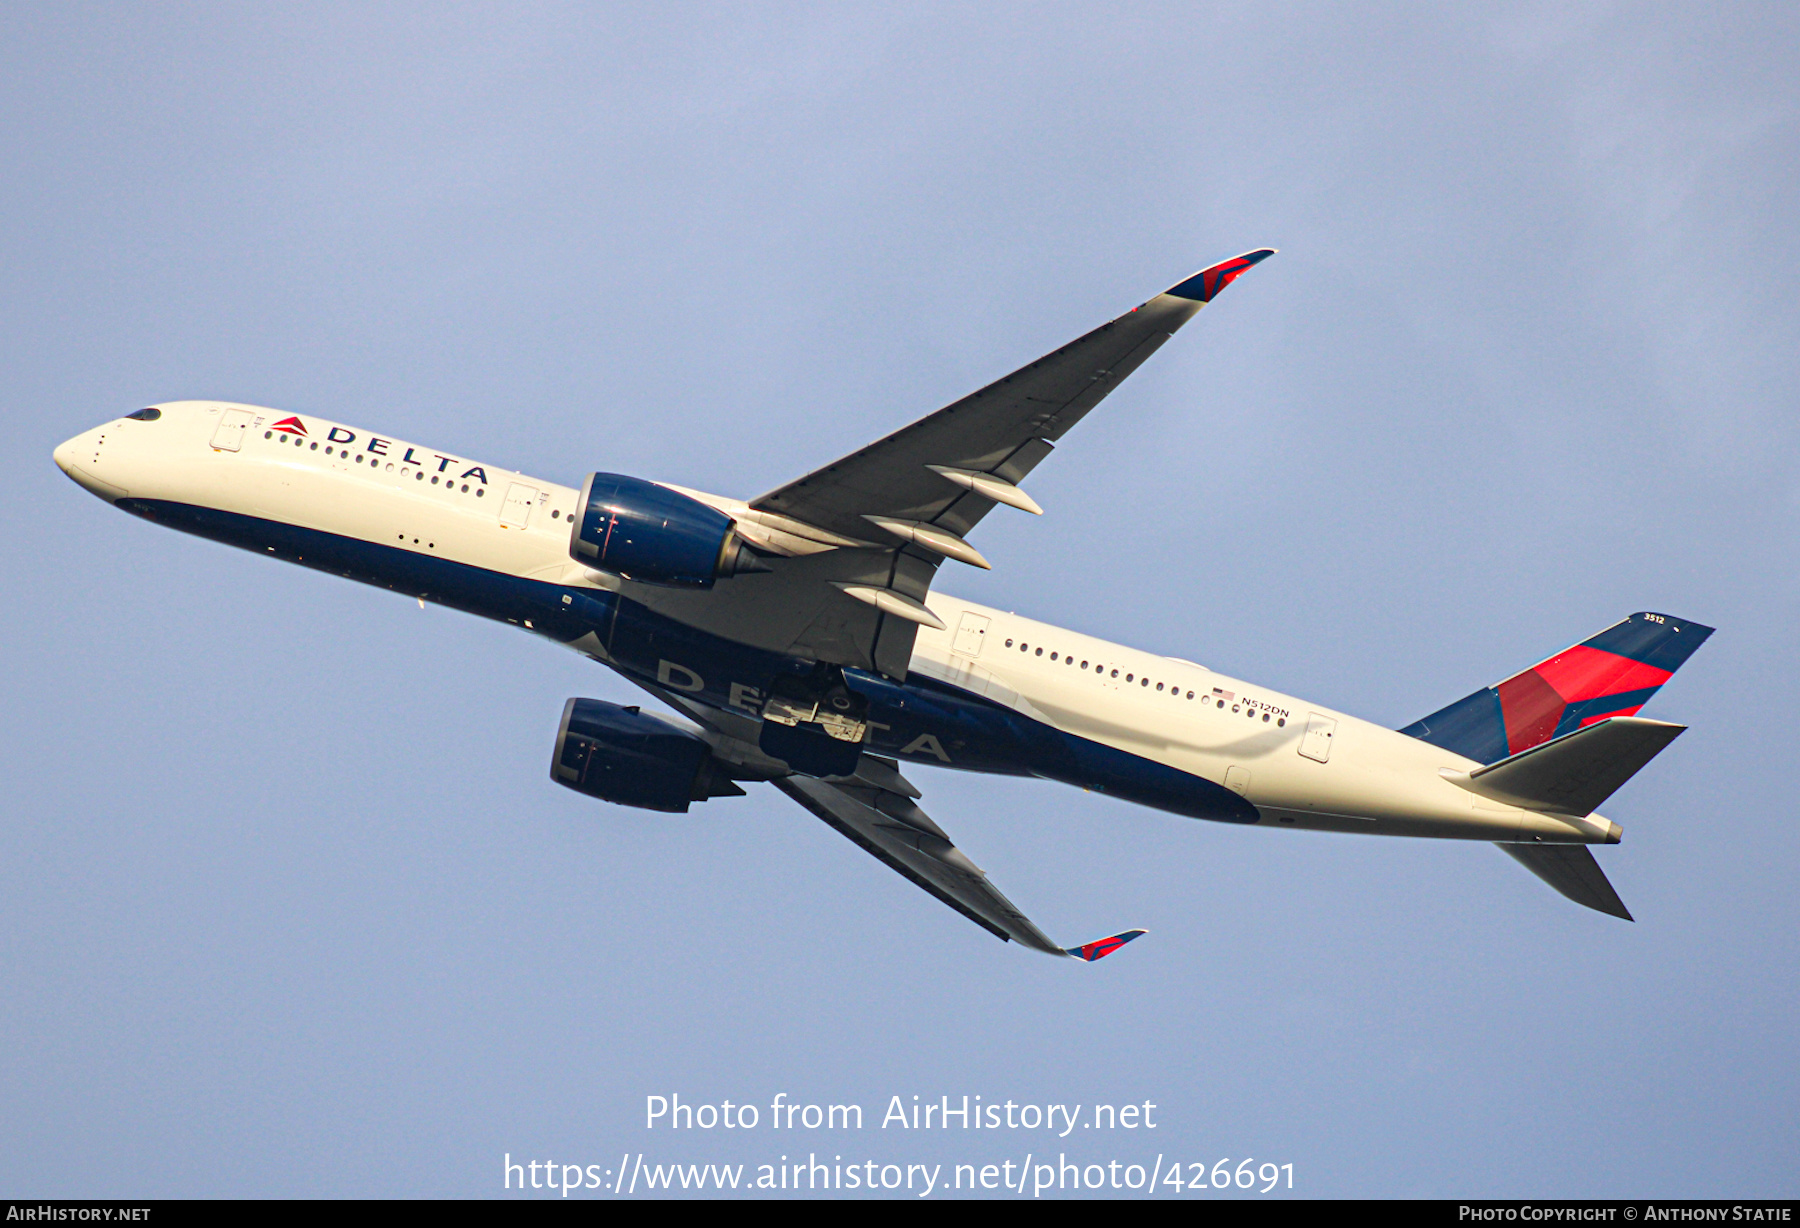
144,415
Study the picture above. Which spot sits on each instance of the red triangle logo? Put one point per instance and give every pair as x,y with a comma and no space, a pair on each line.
290,426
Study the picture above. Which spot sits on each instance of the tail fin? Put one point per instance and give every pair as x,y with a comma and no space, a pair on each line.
1613,674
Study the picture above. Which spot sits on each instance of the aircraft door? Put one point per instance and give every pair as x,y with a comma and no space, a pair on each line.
516,511
229,436
970,634
1316,742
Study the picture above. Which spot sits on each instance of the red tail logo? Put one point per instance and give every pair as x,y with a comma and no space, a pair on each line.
290,426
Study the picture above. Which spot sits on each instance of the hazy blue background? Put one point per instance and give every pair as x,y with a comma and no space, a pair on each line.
288,904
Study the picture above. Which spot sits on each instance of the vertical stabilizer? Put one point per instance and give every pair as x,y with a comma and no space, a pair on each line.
1612,674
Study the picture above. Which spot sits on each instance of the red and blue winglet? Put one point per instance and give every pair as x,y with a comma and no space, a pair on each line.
1205,285
1102,947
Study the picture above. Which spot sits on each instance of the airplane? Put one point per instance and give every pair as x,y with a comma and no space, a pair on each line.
797,640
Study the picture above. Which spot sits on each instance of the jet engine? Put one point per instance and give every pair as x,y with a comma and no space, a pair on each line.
649,533
626,756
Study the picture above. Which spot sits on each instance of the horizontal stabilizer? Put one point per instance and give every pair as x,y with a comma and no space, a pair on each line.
1103,947
1575,773
1572,870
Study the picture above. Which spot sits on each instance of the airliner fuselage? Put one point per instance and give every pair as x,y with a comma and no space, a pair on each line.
995,692
800,634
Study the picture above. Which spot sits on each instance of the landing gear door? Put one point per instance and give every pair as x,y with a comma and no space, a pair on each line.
971,632
229,436
1316,743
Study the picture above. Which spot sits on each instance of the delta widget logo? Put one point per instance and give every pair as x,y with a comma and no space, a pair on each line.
290,426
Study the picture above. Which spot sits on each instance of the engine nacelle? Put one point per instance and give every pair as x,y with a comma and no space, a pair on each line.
626,756
654,535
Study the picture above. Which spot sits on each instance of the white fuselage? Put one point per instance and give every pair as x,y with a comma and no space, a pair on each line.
1300,764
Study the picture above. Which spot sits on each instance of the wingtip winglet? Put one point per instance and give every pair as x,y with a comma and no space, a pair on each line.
1102,947
1205,285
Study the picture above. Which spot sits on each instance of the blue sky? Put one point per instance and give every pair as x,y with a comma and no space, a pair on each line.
288,904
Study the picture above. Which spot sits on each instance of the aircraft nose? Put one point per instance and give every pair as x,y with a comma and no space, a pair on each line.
79,458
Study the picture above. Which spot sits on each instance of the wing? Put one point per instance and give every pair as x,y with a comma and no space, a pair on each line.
876,815
891,827
877,810
1002,431
852,549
